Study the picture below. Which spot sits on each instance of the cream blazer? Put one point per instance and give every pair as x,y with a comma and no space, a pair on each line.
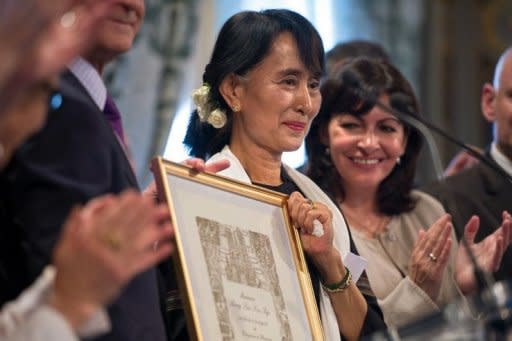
400,299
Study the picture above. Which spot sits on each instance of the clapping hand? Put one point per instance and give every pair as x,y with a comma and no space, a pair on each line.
430,256
488,252
103,245
463,160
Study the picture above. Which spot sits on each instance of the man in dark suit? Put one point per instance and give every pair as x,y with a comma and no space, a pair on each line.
480,190
76,157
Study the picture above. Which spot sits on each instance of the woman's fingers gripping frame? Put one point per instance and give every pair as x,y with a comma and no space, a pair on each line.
304,212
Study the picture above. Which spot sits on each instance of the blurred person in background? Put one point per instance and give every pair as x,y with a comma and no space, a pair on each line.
101,247
479,189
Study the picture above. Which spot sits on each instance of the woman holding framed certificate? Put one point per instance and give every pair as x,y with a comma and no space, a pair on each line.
261,90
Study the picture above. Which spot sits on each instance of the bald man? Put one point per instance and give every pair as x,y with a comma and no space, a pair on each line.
481,190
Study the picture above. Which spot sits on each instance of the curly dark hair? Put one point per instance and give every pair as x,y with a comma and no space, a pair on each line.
373,78
243,42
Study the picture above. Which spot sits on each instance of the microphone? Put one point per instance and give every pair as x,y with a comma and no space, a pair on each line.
403,103
488,294
401,107
404,112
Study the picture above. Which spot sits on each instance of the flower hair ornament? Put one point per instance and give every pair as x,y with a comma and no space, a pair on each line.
207,111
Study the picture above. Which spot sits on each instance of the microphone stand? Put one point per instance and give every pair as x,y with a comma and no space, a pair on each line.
486,296
498,319
484,280
400,100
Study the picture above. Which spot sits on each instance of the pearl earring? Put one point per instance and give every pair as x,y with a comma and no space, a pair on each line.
398,160
327,151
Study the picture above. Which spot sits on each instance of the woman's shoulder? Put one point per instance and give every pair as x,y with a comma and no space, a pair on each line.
426,211
426,203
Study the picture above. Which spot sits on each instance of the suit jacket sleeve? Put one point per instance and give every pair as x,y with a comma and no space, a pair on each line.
75,158
72,160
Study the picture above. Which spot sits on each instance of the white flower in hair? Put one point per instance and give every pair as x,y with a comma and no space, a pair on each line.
216,117
200,98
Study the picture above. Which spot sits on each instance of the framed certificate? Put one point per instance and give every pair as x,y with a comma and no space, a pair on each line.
241,270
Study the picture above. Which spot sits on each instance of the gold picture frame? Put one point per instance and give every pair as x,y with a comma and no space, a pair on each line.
241,270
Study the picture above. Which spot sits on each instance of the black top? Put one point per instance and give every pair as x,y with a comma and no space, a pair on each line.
374,320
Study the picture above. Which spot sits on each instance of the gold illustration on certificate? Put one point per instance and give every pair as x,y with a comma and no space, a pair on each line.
244,281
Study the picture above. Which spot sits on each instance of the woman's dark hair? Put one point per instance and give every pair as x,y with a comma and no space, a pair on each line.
347,50
343,93
243,42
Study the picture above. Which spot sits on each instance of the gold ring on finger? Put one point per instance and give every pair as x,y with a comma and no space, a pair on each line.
311,203
113,241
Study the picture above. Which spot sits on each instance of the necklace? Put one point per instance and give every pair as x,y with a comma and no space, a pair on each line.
374,230
370,228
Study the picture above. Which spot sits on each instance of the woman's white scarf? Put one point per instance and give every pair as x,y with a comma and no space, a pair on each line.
312,191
